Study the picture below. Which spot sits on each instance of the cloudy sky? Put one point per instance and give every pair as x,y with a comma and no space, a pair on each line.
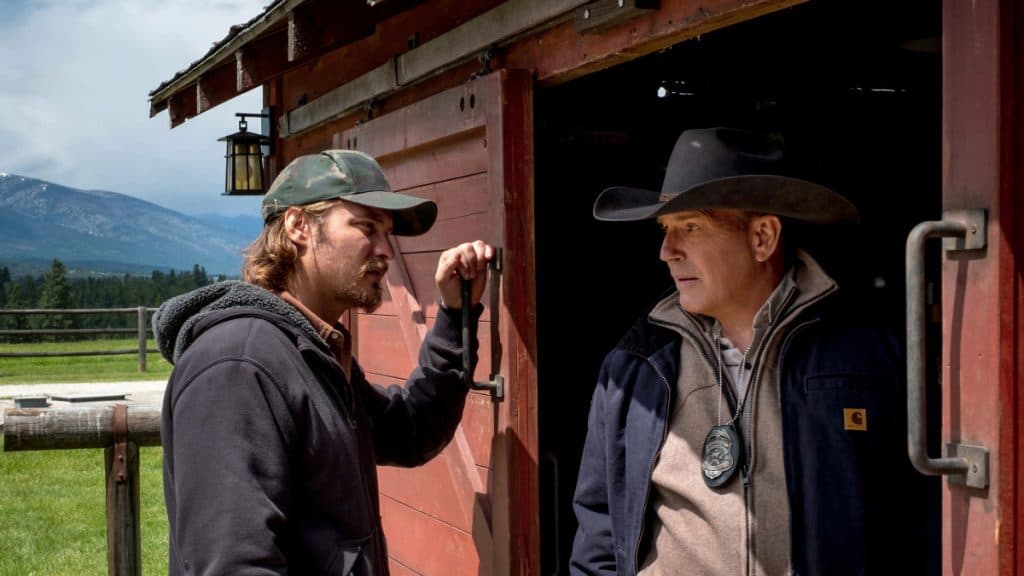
75,77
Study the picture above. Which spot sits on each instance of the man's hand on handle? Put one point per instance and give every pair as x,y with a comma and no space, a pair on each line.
467,261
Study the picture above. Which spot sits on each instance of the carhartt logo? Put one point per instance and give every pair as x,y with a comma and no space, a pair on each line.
855,419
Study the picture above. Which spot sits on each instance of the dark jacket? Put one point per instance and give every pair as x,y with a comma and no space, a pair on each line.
270,453
857,505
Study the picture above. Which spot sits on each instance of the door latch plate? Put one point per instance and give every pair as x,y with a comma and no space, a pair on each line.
975,234
977,465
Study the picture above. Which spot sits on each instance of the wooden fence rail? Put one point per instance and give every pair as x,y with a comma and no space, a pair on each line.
120,432
117,352
76,427
44,311
142,331
69,331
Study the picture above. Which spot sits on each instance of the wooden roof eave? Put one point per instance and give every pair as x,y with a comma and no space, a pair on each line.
564,54
284,36
288,34
207,76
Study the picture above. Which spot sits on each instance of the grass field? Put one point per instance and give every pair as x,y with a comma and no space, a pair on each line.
53,518
80,368
52,502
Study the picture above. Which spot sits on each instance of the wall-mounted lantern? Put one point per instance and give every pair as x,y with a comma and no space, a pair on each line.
244,157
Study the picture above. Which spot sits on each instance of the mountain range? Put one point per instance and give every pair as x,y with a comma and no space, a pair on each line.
109,232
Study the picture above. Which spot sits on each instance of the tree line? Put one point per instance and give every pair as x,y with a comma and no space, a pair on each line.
54,289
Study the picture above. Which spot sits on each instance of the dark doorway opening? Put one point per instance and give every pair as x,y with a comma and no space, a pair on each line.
854,91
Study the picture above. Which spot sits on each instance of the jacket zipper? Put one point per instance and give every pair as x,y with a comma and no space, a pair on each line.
750,416
650,470
664,434
749,421
351,414
366,443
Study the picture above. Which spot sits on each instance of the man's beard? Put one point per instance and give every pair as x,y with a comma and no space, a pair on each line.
357,295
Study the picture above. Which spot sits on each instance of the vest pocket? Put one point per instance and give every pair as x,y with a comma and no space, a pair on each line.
852,403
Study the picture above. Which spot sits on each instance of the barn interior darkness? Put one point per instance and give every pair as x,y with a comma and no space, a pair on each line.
853,89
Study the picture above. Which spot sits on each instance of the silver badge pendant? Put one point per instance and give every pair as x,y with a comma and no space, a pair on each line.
723,453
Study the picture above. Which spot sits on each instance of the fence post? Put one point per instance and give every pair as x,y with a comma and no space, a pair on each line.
142,338
124,550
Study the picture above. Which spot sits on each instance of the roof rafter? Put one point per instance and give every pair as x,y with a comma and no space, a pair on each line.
261,60
287,34
216,86
317,26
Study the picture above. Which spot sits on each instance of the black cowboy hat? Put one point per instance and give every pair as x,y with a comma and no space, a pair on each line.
726,168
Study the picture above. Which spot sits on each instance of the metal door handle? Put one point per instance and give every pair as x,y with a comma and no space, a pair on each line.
965,464
496,384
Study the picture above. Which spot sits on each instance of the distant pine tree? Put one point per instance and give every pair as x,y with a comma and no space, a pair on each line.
199,275
5,281
56,294
15,299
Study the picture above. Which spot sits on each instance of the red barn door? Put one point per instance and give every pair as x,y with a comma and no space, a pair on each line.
983,292
473,509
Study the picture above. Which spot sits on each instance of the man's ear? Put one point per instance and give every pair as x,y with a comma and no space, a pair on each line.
298,226
765,235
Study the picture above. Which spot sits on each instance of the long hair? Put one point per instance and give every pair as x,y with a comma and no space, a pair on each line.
271,259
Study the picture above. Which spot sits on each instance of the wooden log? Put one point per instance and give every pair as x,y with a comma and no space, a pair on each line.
92,427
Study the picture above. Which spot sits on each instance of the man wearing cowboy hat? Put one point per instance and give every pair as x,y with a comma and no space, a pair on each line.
745,425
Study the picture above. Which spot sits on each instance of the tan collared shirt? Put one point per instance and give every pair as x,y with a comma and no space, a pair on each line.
336,336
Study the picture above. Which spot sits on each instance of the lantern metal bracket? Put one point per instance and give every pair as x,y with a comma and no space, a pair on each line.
266,127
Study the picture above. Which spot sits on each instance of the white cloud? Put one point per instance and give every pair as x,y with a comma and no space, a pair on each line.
74,103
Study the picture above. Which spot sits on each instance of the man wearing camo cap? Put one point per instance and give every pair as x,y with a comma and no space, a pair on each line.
271,431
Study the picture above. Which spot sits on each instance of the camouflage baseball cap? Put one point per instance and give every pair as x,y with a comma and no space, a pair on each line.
351,176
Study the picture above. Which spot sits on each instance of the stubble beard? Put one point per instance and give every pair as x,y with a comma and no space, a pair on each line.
357,294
